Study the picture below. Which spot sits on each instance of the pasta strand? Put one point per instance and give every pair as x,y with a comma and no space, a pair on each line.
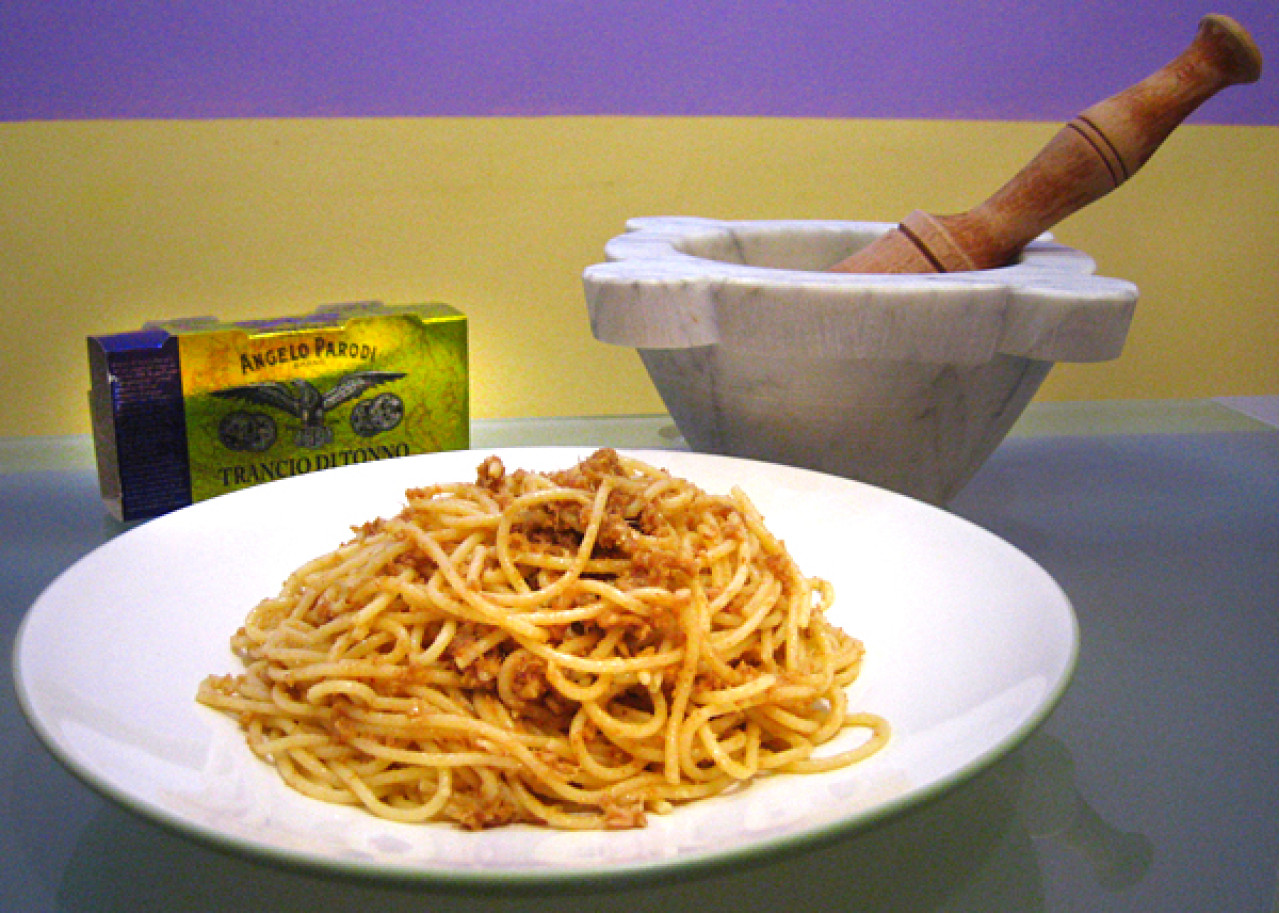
575,649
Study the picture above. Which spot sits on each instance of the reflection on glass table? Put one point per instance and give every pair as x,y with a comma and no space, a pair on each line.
1152,787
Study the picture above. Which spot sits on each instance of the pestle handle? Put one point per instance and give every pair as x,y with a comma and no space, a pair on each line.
1088,158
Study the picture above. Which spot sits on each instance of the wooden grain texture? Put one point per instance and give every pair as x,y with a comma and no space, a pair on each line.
1089,157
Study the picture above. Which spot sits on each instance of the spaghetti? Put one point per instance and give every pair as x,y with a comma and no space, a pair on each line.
574,649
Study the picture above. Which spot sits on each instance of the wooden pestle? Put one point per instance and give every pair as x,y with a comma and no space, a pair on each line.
1088,158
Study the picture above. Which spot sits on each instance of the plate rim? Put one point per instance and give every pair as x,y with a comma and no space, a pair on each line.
560,879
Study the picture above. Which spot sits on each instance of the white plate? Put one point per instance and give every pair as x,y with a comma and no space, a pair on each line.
969,646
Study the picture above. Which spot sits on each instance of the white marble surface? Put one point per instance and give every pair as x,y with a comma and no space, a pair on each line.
905,381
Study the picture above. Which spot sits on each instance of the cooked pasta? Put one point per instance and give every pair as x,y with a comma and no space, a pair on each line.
575,649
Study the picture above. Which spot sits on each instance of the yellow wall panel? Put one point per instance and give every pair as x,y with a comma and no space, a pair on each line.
112,223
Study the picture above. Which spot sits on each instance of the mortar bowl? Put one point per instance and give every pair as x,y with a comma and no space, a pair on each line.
906,382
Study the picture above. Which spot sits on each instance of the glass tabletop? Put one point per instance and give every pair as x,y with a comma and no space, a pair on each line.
1151,787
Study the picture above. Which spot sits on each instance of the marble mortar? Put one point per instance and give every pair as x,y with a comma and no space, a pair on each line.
907,382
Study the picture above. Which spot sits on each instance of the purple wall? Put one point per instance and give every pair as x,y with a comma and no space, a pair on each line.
998,59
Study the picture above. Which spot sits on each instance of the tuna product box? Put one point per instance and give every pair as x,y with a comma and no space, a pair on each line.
187,410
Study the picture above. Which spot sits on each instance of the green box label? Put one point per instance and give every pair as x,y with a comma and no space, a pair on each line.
265,407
